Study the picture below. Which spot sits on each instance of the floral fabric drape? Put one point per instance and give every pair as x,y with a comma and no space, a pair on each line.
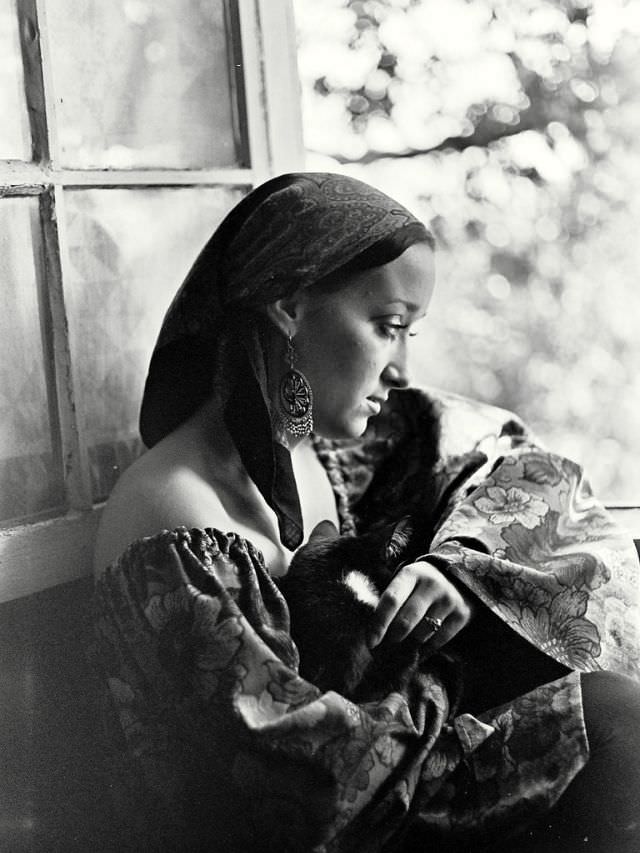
243,754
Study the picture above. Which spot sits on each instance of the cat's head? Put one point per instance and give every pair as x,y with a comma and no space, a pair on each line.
382,547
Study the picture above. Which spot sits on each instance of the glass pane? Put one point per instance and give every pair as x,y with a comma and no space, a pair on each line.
15,140
141,83
30,477
130,250
558,370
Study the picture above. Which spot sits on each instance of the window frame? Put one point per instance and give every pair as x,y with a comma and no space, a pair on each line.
54,547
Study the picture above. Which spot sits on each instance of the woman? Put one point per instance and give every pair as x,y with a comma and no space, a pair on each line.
278,398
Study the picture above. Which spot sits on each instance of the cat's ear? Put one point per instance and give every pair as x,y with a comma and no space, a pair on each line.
323,531
399,540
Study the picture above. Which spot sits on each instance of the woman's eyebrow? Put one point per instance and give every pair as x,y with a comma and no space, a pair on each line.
413,308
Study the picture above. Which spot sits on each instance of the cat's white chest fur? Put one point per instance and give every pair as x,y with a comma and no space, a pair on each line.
362,587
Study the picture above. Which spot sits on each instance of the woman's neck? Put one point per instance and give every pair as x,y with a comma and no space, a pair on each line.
208,430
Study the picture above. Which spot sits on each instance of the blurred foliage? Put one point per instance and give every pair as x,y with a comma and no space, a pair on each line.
511,127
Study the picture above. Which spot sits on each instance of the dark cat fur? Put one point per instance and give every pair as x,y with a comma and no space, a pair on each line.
330,623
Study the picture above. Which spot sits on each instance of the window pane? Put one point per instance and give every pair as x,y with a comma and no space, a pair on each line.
30,479
130,250
141,83
15,142
560,373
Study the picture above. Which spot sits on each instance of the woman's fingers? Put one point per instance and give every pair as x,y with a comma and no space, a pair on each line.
419,602
429,625
391,602
449,628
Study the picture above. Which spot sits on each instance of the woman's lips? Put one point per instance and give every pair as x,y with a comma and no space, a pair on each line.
374,405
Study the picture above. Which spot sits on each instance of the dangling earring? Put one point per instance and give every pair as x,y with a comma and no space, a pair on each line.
296,398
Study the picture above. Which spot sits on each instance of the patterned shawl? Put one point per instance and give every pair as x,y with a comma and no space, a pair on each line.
289,233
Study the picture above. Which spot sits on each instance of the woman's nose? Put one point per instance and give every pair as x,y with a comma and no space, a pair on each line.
396,374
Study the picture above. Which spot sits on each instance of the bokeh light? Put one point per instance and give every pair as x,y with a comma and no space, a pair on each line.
512,127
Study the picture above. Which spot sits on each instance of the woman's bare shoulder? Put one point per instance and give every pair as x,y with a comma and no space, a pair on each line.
155,494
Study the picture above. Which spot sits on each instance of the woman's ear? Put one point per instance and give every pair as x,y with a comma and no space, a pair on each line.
285,313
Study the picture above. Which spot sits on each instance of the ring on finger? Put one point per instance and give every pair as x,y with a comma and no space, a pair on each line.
432,622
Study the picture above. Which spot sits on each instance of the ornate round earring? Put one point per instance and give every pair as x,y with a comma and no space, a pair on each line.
296,398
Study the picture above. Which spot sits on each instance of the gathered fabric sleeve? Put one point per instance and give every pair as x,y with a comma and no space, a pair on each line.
242,754
194,643
519,527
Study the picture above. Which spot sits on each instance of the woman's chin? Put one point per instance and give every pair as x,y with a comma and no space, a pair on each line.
353,427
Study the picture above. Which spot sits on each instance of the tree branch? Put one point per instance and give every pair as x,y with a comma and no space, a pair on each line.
487,131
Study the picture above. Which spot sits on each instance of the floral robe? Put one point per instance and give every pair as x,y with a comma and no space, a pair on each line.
238,753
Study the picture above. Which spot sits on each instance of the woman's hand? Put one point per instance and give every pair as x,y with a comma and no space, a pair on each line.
419,601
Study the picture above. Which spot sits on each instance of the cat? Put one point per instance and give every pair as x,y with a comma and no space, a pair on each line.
332,588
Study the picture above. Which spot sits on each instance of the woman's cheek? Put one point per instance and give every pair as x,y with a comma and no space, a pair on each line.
361,367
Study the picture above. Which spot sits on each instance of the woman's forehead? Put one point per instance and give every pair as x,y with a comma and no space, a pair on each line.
406,281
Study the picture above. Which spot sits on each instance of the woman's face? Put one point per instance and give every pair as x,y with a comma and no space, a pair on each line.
351,343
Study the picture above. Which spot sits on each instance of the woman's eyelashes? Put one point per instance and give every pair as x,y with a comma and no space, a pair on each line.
392,330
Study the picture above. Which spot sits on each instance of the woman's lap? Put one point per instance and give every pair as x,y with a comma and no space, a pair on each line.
600,810
498,665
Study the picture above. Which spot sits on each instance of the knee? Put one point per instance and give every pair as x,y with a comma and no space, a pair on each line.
611,704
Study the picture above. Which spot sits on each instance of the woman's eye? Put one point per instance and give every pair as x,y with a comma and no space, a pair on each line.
392,330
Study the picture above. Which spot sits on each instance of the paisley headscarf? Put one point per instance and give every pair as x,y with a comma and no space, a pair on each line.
291,232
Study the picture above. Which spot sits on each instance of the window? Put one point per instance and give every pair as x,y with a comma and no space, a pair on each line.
129,129
510,127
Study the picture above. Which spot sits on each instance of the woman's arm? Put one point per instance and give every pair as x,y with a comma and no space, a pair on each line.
530,541
515,525
239,750
194,644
